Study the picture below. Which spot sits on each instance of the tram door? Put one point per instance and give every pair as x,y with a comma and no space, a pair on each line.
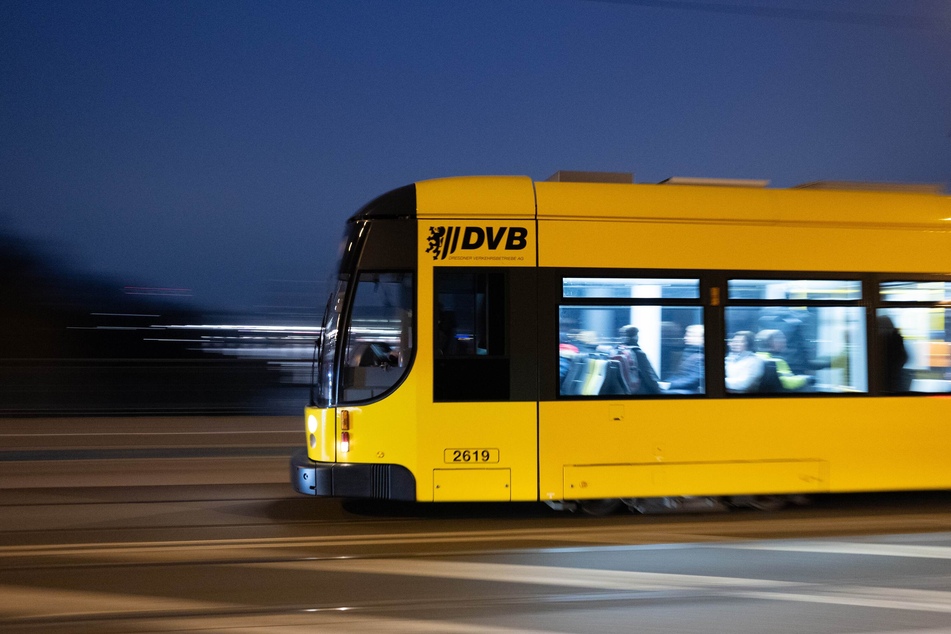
480,429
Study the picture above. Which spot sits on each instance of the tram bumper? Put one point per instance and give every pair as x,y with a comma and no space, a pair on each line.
335,479
309,477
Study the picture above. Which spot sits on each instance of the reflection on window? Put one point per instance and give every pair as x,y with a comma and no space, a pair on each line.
773,349
795,289
626,350
915,348
327,347
916,291
380,339
645,288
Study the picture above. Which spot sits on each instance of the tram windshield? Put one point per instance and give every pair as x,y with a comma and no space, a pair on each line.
366,339
378,340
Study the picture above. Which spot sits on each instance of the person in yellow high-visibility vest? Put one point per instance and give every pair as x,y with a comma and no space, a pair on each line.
770,344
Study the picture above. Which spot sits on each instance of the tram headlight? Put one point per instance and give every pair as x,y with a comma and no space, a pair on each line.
312,424
344,442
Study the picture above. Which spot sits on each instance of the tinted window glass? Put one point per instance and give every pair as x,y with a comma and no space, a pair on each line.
470,314
470,348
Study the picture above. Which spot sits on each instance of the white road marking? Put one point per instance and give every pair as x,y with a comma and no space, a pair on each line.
850,548
860,596
542,575
769,590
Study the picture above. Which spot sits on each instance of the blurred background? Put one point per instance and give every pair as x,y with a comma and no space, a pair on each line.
175,175
74,343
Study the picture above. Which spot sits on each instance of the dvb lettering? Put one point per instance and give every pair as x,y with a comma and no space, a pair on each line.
444,241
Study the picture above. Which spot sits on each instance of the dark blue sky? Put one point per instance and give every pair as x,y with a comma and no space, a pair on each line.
219,146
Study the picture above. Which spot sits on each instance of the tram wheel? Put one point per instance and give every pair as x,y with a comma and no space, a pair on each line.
600,507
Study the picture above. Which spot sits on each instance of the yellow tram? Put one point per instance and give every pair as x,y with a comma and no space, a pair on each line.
584,340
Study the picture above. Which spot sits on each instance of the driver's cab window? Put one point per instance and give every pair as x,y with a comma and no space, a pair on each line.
380,336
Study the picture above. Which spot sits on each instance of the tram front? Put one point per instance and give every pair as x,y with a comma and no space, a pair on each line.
359,424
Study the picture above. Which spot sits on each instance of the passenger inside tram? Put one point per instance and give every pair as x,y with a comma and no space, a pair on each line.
689,377
744,369
648,383
770,346
894,356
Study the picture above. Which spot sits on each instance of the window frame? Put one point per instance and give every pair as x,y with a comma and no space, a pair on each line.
877,281
862,301
453,373
715,300
700,302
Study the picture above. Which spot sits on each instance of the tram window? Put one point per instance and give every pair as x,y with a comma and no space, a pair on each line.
915,348
631,350
470,347
379,341
644,288
796,349
806,290
470,318
916,291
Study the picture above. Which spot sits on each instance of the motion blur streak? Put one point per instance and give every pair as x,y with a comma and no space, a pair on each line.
874,597
543,575
840,548
17,601
76,345
888,598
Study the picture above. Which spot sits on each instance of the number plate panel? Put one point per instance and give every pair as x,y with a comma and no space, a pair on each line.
470,456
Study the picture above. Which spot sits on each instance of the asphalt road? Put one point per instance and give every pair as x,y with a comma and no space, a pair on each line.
191,526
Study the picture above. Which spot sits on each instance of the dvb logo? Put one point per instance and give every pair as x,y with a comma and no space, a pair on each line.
444,241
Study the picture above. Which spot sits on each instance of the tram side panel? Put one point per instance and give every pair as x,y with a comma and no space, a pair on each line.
670,445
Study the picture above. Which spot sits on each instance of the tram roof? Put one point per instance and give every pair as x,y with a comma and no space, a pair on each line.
511,197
